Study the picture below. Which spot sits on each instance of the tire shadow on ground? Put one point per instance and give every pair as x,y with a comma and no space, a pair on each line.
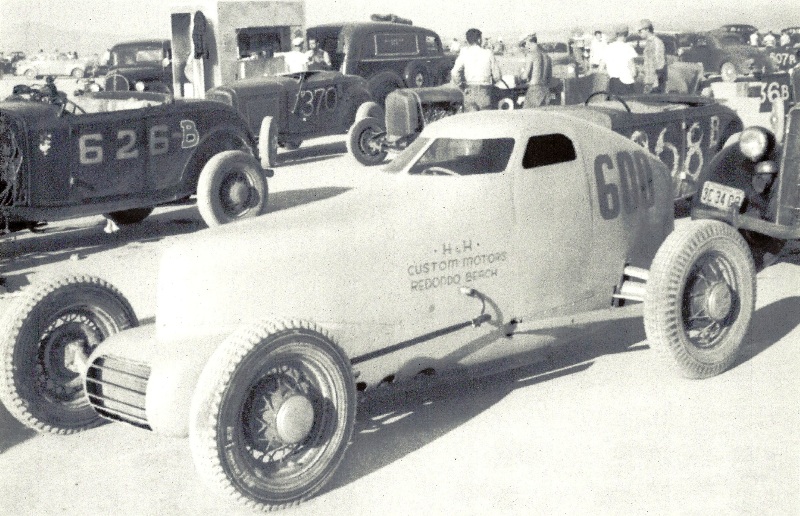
769,325
12,432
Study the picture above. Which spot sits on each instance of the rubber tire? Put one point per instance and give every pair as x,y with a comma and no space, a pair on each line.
217,436
24,323
77,73
728,72
417,76
369,110
209,187
664,303
382,84
128,217
356,136
268,142
31,74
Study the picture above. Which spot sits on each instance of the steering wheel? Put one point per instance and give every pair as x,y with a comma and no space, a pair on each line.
438,171
609,96
75,108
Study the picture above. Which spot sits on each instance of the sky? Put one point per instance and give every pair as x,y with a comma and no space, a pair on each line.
553,18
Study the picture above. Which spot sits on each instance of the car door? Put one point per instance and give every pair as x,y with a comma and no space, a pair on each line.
553,234
108,155
313,108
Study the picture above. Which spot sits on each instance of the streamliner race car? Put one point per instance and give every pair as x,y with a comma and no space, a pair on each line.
492,235
120,154
684,131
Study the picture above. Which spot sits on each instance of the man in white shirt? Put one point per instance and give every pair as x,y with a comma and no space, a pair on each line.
296,60
596,48
621,69
475,71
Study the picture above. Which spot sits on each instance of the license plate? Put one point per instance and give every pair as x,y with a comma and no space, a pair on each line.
720,196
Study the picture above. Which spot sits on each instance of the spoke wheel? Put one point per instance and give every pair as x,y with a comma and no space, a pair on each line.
272,414
232,186
51,330
700,298
365,141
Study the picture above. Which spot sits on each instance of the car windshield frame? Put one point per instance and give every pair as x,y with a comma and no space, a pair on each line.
455,156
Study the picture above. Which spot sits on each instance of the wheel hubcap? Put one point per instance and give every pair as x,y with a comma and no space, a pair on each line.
63,352
236,193
719,302
295,419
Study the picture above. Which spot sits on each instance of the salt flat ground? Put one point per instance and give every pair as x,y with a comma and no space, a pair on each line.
593,427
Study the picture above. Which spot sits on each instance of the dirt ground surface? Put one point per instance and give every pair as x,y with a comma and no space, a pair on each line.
596,426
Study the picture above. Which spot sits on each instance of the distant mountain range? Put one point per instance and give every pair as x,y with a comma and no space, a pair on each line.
30,37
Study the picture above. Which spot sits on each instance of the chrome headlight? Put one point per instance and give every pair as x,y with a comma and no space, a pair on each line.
753,143
139,86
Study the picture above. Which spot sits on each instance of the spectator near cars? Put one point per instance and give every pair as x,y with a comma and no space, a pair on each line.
655,59
475,72
618,58
390,53
537,72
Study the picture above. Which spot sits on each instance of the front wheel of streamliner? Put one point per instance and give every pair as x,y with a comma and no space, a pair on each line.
700,297
272,414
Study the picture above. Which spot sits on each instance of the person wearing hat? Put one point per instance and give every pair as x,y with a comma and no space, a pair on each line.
537,72
475,72
296,60
655,59
618,58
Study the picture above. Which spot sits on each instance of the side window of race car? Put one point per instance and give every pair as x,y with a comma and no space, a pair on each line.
548,149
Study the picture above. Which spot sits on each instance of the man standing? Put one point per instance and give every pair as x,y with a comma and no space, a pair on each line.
296,60
655,59
620,67
537,72
596,48
475,72
318,59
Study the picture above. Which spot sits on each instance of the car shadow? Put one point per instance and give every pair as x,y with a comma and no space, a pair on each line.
12,432
62,242
397,420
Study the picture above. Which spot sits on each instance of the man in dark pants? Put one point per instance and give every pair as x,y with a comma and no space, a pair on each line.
538,73
618,58
655,60
475,72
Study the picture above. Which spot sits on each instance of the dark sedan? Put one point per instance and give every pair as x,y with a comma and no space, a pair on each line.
730,60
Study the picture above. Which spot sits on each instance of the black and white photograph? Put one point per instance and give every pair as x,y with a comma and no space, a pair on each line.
317,257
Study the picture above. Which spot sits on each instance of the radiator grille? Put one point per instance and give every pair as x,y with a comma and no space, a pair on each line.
116,389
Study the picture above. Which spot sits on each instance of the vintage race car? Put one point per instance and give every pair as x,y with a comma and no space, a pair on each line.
301,105
120,154
684,131
493,235
755,186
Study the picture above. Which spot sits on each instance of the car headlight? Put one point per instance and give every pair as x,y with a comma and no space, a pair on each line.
753,143
139,86
94,87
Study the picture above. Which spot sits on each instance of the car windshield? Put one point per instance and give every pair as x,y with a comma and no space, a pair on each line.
460,156
131,56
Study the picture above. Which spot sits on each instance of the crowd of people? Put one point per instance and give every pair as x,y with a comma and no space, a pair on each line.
299,60
476,69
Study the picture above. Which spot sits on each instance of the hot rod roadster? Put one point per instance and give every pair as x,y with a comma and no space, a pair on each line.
684,131
491,235
120,154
